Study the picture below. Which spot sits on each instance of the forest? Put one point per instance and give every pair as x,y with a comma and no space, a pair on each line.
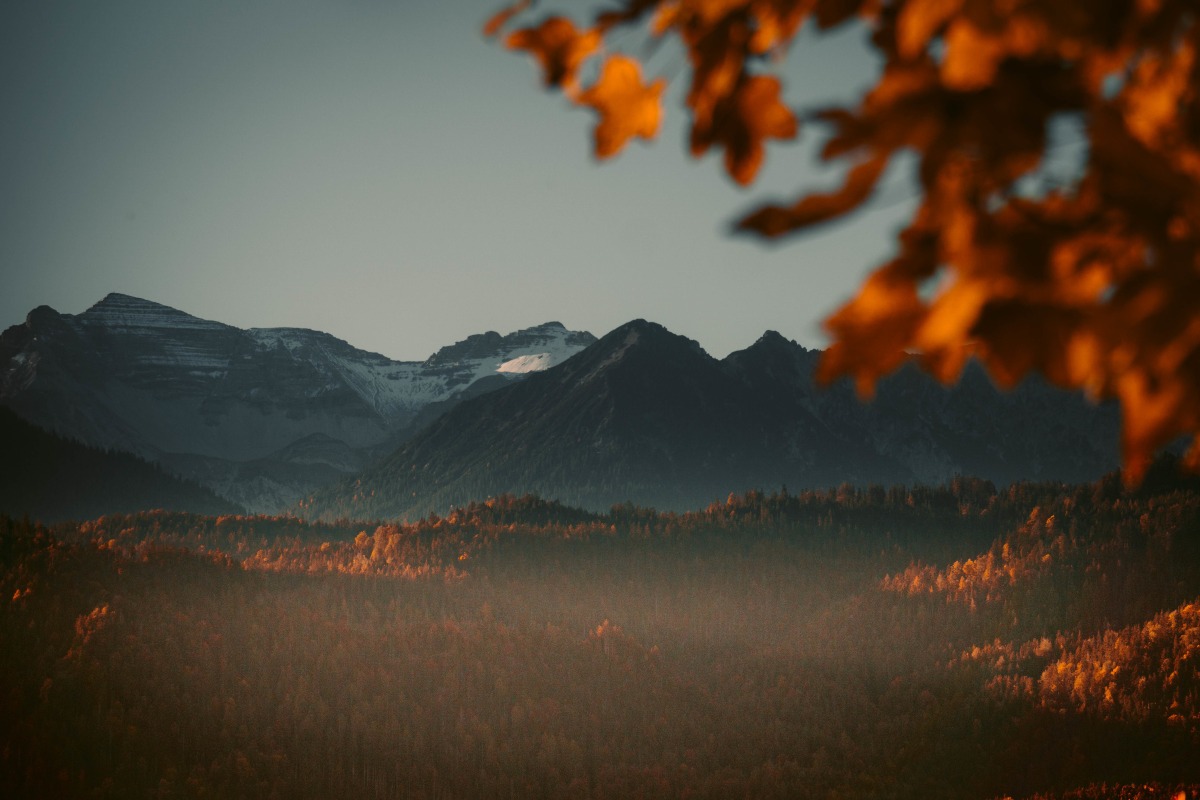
1041,640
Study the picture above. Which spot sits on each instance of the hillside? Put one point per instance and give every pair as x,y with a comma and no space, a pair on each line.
50,478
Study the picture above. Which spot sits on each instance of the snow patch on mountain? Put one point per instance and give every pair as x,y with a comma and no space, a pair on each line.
530,363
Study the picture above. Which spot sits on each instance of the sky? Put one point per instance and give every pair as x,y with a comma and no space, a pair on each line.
380,171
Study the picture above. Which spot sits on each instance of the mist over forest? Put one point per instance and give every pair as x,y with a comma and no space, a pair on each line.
1038,641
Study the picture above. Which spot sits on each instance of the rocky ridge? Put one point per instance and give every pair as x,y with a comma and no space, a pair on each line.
646,416
231,407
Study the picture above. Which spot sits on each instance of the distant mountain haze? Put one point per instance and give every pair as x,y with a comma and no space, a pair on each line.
646,416
271,417
52,479
260,415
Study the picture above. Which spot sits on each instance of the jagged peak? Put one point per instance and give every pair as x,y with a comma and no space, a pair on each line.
771,357
126,311
490,343
773,337
642,336
644,330
117,300
639,327
770,343
774,341
40,314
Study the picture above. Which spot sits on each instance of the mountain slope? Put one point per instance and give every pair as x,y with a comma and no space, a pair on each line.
52,479
1035,432
209,399
646,416
618,418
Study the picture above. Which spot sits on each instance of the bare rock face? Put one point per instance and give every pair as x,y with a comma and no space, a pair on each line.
216,402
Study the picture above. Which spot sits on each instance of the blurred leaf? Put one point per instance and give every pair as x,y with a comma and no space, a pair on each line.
627,107
813,209
919,21
501,17
558,47
1089,275
758,115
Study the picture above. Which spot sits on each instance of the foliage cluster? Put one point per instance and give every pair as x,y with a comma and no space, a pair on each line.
1090,278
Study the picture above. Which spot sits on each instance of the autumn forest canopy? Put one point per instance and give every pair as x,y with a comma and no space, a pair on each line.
1092,281
1042,640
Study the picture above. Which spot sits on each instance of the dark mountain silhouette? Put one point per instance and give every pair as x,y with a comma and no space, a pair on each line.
648,417
261,415
51,479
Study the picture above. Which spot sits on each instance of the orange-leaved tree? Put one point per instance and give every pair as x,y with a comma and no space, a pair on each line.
1094,283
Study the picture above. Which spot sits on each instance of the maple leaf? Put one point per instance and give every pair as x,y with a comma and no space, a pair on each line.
750,115
813,209
871,330
627,107
717,54
558,46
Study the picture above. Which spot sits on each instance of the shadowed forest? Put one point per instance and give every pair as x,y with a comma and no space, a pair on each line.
952,642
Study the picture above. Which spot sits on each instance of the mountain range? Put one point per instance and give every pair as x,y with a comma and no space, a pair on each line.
646,416
261,416
277,419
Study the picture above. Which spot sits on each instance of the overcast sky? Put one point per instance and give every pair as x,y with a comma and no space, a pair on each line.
379,171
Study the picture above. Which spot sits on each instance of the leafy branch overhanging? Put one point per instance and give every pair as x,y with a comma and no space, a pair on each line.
1094,284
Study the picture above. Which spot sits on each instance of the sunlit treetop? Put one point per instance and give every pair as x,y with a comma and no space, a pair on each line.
1093,281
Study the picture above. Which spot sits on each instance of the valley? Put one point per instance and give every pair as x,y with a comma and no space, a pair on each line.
962,642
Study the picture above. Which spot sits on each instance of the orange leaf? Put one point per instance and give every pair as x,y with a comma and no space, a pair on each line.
871,331
626,106
718,55
1153,97
776,23
949,322
1017,336
972,56
919,22
813,209
501,17
559,47
1151,413
741,122
666,17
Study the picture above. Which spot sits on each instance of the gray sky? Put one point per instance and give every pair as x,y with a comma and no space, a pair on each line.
379,171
